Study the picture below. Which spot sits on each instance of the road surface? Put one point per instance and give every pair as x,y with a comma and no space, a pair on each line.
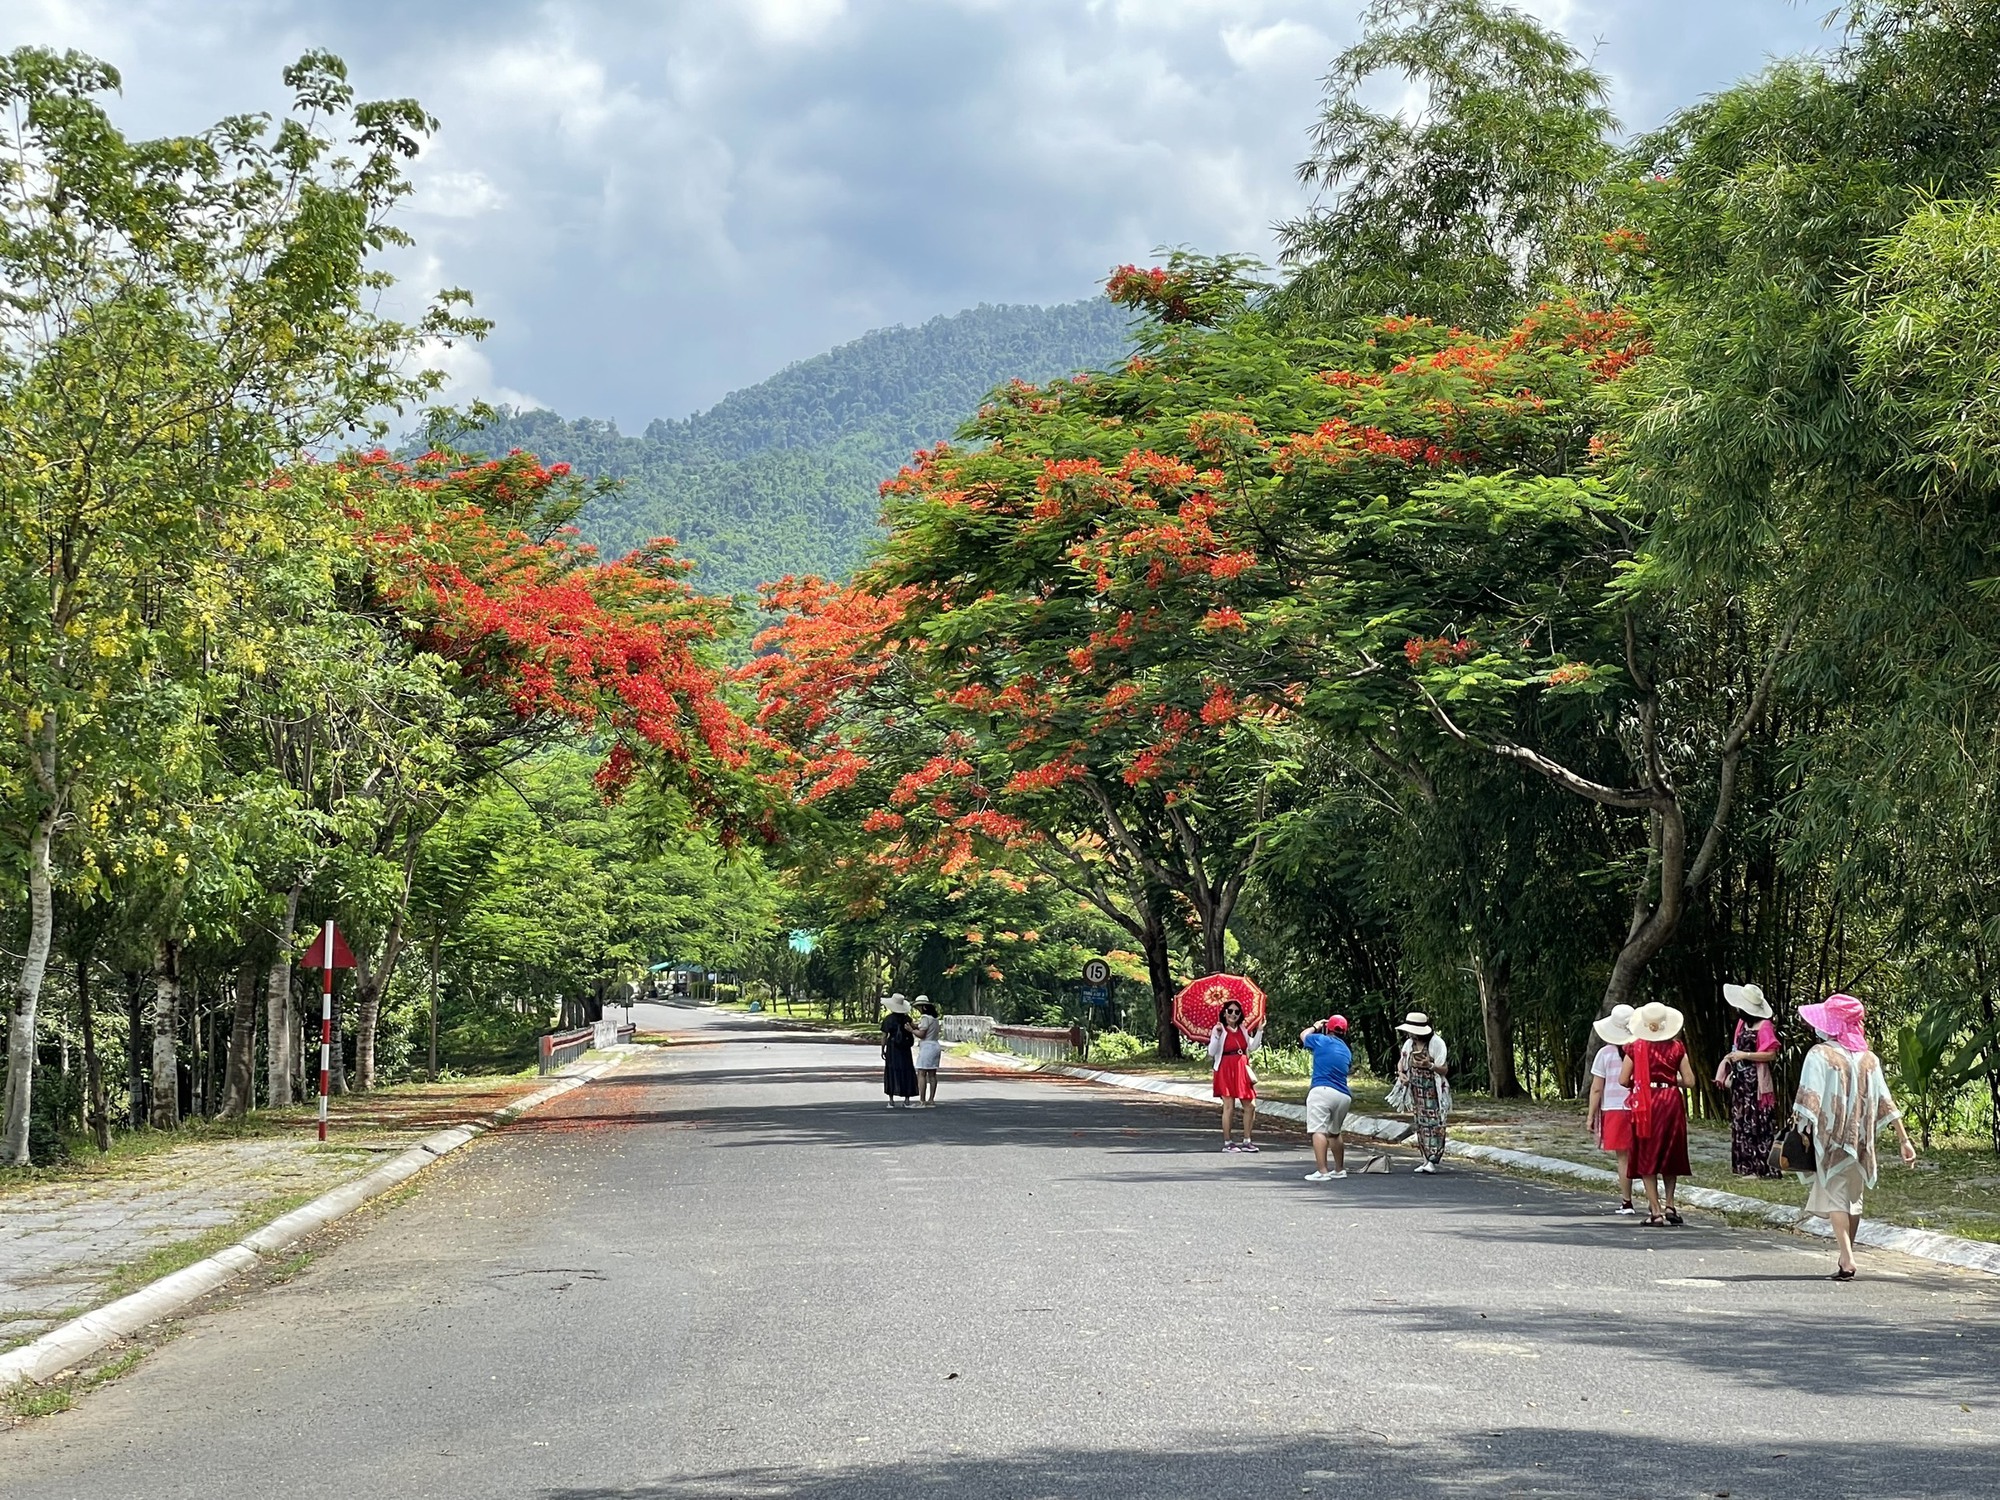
728,1270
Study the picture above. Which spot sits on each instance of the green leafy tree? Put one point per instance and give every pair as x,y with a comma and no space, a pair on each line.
1465,208
181,313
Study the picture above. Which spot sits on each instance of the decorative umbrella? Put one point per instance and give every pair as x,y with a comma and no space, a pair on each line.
1198,1007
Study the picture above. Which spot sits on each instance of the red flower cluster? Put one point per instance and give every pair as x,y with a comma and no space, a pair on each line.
1440,652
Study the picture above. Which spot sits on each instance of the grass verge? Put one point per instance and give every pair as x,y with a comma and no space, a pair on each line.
23,1403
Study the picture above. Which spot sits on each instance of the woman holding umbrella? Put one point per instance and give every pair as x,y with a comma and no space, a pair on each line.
1230,1043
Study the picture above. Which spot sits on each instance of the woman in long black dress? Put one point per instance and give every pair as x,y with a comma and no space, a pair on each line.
899,1069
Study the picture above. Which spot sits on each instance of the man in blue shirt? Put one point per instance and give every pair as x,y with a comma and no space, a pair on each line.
1328,1099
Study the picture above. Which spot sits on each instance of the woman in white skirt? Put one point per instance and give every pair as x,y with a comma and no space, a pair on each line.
930,1051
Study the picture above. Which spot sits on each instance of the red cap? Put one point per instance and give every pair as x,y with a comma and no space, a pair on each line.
1336,1023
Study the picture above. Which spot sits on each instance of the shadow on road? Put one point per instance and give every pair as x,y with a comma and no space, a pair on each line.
1520,1461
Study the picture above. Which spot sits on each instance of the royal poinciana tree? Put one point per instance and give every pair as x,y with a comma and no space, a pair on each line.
474,567
1132,592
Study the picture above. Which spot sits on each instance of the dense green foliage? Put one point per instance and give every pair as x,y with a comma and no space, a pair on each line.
1573,584
1638,639
780,477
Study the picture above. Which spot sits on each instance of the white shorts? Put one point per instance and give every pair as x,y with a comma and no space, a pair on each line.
1839,1189
1326,1110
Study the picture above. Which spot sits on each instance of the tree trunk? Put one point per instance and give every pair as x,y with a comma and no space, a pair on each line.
166,1112
239,1072
279,1042
135,1049
433,1071
93,1067
1992,1065
336,1052
1497,1016
28,992
371,984
1159,969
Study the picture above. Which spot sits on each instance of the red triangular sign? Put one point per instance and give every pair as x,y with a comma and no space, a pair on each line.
315,956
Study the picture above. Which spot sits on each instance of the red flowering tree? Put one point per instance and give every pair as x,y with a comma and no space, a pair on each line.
507,632
480,561
894,832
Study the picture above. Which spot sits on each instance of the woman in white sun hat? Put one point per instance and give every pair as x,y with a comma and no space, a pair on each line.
1746,1073
1610,1121
1656,1071
899,1076
1423,1086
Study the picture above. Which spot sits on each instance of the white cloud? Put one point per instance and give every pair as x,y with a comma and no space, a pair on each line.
794,21
457,195
657,203
469,376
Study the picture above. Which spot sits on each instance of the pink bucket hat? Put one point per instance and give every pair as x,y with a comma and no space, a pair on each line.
1840,1017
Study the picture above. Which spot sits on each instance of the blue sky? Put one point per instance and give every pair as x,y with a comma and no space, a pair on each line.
660,201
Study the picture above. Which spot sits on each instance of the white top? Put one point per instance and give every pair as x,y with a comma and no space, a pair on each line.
1610,1066
930,1050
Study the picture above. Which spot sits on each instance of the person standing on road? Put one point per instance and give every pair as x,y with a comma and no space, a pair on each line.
1656,1070
1423,1086
1329,1097
930,1051
899,1076
1844,1101
1746,1074
1230,1044
1610,1120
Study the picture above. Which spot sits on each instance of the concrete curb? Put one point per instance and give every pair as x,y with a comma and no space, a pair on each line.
1925,1244
61,1348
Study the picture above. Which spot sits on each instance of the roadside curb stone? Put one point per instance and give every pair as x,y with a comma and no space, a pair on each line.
61,1348
1924,1244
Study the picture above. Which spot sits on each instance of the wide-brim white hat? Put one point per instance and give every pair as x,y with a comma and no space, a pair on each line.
1615,1028
1749,999
898,1004
1655,1022
1416,1023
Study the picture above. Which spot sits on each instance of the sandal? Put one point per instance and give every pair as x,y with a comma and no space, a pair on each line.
1674,1216
1653,1221
1847,1275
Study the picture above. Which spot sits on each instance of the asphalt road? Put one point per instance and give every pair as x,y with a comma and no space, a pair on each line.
728,1270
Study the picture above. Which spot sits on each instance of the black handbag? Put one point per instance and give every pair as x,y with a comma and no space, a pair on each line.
1794,1152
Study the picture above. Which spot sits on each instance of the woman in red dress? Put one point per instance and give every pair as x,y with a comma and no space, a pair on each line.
1229,1047
1656,1070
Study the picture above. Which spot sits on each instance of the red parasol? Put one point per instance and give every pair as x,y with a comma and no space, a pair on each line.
1198,1007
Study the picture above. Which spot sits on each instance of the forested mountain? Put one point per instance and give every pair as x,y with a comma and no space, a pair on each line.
781,477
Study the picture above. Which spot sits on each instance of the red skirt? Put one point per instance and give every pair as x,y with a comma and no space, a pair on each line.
1663,1151
1232,1078
1614,1130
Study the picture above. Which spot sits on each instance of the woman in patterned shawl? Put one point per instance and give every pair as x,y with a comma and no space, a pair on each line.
1843,1100
1423,1087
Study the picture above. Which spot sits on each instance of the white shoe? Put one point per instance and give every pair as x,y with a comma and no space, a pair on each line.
1424,1166
1320,1176
1340,1176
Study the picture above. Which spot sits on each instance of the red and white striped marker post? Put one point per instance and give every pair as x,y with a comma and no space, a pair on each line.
325,1024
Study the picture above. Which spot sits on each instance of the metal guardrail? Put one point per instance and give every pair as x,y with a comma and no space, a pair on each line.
1045,1043
966,1028
561,1048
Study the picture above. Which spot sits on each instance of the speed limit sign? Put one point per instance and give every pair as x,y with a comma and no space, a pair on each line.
1096,972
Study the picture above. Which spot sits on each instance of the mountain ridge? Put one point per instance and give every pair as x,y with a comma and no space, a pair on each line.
781,477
